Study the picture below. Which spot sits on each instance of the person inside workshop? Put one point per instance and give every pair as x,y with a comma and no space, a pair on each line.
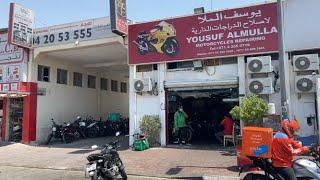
284,148
179,122
227,126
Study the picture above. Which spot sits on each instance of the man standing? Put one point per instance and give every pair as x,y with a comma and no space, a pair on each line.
227,124
179,122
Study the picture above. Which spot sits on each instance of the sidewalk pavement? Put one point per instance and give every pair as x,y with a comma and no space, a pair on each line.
154,162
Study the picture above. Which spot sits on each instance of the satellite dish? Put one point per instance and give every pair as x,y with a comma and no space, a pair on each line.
255,65
138,85
304,84
256,87
302,63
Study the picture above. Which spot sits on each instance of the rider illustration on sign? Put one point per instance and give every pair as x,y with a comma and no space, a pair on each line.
161,39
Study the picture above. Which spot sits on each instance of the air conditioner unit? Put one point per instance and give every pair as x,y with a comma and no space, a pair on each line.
307,62
305,84
143,85
260,64
261,86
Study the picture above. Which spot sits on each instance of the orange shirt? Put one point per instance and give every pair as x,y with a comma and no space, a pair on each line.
284,149
227,124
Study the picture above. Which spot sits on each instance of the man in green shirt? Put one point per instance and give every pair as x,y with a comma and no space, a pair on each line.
179,122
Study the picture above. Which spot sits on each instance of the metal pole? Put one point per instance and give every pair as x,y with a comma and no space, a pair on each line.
282,61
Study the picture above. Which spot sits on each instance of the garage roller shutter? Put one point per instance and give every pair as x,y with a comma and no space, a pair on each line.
202,84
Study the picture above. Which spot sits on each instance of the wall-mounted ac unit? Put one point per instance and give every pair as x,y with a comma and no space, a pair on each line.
143,85
305,84
261,86
260,64
306,62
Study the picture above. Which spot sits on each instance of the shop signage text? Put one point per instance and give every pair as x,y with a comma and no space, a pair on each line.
12,61
72,32
21,23
234,32
118,17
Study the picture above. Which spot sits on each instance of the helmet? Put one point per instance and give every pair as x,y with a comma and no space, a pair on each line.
290,126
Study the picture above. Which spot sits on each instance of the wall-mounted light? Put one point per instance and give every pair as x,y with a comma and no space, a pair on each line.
76,43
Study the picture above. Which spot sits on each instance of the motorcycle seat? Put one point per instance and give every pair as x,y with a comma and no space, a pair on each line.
94,157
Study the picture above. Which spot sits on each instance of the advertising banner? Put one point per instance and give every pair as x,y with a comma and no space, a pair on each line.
72,32
234,32
12,61
118,17
21,23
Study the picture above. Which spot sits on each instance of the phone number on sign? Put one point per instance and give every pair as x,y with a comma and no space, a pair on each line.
63,36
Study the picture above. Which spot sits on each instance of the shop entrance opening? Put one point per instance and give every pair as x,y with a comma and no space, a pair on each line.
205,109
15,119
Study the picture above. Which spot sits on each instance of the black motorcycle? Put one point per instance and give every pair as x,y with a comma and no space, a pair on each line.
17,133
106,164
56,132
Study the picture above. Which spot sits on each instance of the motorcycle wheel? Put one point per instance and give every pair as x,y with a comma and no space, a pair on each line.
252,176
123,174
143,48
171,47
92,132
67,138
49,138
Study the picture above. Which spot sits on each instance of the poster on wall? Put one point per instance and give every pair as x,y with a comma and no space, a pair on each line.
69,33
21,24
118,17
13,73
234,32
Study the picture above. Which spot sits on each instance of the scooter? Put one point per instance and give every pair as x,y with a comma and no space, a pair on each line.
304,168
161,39
106,164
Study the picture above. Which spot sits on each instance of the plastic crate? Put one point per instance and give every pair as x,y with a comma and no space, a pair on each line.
140,145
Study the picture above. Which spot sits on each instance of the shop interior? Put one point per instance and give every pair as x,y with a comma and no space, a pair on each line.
205,110
15,119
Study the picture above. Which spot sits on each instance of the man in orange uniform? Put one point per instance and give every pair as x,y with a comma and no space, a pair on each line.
284,148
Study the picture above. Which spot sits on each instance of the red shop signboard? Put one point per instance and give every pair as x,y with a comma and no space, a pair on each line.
234,32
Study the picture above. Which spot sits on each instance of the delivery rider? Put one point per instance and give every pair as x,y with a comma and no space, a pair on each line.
284,148
179,123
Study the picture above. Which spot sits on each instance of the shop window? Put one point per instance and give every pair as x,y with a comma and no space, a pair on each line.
123,87
229,60
91,82
104,84
114,86
77,79
180,65
62,76
43,73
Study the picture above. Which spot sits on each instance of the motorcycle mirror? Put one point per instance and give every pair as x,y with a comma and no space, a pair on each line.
94,147
117,133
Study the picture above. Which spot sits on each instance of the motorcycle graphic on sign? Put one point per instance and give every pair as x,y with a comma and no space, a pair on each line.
161,39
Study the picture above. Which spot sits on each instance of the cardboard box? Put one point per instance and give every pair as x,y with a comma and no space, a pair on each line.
256,142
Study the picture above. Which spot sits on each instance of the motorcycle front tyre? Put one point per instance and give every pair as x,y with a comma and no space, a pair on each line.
252,176
123,174
49,138
92,132
67,138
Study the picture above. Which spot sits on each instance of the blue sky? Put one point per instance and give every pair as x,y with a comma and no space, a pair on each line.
52,12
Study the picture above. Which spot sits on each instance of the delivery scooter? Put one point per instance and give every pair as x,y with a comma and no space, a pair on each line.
161,39
304,168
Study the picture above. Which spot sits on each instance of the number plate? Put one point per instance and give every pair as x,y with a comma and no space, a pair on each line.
54,129
91,167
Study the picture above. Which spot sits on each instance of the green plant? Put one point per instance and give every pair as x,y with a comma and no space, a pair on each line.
251,109
150,126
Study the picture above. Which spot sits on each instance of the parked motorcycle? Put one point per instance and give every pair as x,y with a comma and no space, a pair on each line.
17,133
106,164
304,168
56,132
161,39
70,132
